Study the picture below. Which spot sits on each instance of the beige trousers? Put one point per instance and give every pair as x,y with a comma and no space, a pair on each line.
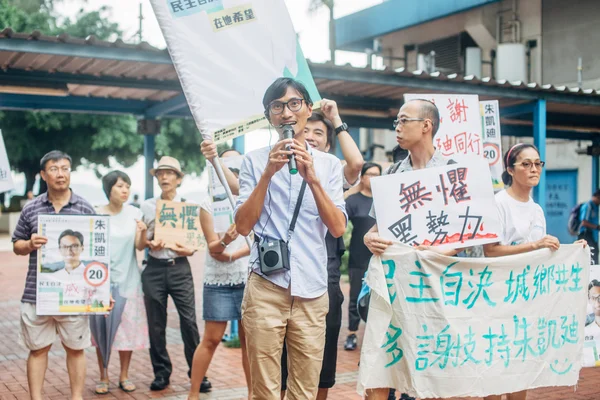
271,314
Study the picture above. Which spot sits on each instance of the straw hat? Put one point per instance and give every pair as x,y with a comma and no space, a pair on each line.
167,162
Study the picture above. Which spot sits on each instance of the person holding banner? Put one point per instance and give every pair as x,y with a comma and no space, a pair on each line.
39,332
127,234
523,221
287,299
167,273
416,124
225,274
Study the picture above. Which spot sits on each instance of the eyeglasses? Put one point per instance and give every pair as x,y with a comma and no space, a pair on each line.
54,170
73,247
528,164
403,121
595,299
277,107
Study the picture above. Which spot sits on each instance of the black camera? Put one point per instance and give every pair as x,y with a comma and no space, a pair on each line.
273,256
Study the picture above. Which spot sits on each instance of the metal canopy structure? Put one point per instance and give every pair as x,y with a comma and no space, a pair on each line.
68,74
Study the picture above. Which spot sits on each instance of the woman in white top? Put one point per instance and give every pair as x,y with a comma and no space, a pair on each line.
522,221
225,275
127,233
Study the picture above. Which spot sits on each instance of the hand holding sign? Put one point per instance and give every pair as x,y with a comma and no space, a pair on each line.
37,241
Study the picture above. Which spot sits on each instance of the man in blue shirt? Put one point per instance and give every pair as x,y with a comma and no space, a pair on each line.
588,215
290,304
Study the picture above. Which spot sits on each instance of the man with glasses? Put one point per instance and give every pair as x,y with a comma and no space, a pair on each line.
415,126
39,332
358,207
292,302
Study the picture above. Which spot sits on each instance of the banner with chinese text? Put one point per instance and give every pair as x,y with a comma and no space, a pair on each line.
451,206
222,210
226,53
73,271
458,327
178,222
459,133
6,182
492,141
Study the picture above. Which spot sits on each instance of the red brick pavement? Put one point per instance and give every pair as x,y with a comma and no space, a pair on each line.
225,371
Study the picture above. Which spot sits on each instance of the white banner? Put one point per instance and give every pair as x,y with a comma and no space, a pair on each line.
459,133
73,272
6,182
222,210
458,327
227,53
451,206
492,141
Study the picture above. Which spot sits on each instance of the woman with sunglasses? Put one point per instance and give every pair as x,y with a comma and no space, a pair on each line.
522,221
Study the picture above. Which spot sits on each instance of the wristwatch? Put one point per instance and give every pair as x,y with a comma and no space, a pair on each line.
341,128
223,244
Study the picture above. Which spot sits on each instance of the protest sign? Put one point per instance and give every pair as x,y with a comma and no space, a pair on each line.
73,271
459,134
451,206
458,327
6,182
221,206
492,142
178,222
591,351
226,53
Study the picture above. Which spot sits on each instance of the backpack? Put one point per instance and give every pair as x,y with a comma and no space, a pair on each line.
574,223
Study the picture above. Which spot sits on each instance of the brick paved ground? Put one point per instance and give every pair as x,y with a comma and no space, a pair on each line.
225,371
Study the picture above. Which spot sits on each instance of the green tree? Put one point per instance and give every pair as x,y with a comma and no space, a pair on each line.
89,139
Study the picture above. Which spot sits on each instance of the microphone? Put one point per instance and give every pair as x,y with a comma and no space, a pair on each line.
288,133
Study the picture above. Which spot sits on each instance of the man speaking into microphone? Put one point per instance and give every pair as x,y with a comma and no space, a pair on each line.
290,213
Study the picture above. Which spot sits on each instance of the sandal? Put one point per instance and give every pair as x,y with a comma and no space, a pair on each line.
127,386
102,388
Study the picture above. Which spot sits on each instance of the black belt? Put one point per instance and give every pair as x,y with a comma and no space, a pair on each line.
166,261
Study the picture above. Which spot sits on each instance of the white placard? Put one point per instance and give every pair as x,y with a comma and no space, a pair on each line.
492,140
222,210
73,272
6,182
452,206
459,133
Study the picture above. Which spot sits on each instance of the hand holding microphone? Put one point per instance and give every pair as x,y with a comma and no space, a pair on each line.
288,133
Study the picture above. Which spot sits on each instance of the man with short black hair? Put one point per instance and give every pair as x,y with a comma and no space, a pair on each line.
39,332
292,303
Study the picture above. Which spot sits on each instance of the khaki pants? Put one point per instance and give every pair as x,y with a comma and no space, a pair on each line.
271,314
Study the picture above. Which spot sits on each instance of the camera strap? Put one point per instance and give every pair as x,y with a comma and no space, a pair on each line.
297,210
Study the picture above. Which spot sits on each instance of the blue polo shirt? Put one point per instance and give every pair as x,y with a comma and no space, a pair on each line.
589,212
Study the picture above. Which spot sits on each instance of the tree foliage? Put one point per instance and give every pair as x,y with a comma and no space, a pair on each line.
89,139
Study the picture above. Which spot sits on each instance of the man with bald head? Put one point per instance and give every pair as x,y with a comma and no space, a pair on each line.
416,125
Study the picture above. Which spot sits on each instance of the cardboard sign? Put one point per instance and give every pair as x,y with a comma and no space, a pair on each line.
178,222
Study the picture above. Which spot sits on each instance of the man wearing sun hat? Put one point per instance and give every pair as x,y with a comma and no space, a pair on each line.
168,273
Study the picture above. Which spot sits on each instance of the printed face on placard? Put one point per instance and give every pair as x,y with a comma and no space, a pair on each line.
410,133
297,118
70,249
594,299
